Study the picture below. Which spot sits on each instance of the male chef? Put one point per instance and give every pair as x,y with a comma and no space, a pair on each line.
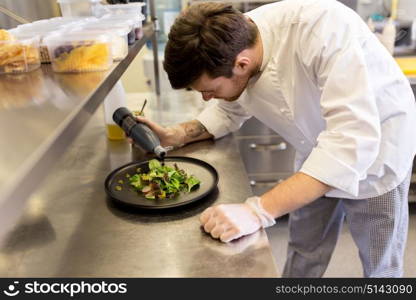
313,72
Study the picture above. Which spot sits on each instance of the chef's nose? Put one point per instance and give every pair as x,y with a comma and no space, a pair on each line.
207,96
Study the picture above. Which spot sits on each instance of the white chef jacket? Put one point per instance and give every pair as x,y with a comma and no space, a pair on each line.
329,87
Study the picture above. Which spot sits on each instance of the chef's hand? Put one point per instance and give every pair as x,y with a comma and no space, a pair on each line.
168,136
231,221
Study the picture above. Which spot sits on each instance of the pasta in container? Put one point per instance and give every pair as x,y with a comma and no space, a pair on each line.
18,55
80,52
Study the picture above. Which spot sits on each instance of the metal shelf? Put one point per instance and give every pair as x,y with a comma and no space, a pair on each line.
240,1
41,113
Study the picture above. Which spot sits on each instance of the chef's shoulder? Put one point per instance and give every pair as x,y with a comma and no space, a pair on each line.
322,18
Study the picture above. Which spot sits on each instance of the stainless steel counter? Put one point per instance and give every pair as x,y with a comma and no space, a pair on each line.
70,228
41,112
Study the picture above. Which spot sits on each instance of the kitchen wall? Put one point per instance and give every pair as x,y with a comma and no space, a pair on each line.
133,79
30,10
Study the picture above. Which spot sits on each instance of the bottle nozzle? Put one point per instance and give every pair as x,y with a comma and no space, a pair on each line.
160,151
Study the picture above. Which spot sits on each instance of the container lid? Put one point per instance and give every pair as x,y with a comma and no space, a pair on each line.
137,17
120,9
45,26
120,30
13,31
74,1
58,21
28,39
127,5
120,21
34,30
131,17
77,36
40,22
23,39
92,32
74,24
27,35
51,34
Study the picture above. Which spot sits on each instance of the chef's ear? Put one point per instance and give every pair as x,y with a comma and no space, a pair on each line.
242,64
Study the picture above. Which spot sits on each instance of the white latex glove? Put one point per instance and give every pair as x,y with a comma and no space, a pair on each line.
231,221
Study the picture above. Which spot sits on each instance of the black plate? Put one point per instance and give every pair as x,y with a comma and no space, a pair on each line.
192,166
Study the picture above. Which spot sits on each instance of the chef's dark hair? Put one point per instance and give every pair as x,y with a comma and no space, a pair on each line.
206,37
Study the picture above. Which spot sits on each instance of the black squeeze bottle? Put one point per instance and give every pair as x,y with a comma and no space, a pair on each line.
141,134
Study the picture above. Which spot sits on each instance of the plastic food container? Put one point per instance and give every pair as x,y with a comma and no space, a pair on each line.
118,34
110,19
137,25
78,8
135,21
19,55
138,31
79,52
43,51
126,9
119,46
46,27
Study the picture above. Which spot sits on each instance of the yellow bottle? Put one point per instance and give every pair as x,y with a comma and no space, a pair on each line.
114,132
115,99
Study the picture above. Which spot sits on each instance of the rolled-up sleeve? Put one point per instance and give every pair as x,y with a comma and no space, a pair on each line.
223,117
350,143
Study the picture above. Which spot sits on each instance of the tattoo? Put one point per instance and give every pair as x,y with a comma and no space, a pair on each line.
194,129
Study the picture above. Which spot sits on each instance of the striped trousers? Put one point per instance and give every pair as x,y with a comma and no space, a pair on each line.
378,226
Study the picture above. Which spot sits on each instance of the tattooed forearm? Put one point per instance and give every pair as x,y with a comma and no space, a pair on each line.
194,129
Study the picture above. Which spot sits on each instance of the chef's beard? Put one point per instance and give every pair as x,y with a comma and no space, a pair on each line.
240,83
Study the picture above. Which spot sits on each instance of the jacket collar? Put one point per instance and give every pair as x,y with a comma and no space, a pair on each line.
266,36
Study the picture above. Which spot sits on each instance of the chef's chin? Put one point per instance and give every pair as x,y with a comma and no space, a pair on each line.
230,99
234,98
